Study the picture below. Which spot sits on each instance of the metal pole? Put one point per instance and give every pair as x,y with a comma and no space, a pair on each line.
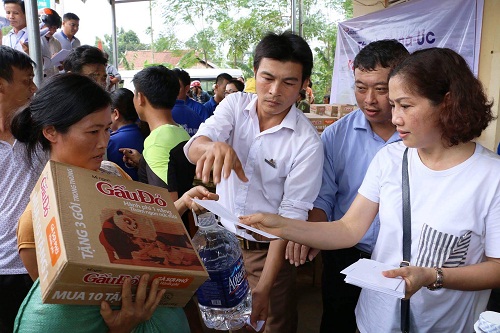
114,43
34,39
301,26
152,38
294,16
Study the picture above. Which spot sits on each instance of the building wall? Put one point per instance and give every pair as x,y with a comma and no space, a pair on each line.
489,59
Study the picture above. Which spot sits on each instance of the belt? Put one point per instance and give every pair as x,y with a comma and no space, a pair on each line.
365,255
251,245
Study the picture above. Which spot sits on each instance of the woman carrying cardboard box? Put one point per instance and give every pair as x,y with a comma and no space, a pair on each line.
76,131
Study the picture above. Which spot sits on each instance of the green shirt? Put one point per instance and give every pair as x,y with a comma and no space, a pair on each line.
157,147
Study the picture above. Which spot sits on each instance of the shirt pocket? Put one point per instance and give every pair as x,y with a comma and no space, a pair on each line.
439,249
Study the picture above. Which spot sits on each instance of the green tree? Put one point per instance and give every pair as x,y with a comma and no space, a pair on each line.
167,42
205,43
235,27
126,41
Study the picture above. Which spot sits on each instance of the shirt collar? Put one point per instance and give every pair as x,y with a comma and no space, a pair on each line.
67,38
11,32
124,128
360,123
290,120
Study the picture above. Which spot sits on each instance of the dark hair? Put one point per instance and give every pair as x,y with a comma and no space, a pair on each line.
302,93
386,53
18,2
123,100
62,102
223,76
10,58
285,47
51,18
238,84
183,76
70,16
83,55
442,76
159,85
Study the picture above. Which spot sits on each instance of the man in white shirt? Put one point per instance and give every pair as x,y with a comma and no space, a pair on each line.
66,36
277,158
15,13
19,176
51,22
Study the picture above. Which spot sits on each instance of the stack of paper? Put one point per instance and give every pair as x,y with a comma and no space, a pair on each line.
366,273
224,213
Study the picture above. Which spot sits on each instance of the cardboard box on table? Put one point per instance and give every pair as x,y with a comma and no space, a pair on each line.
93,230
320,122
341,110
324,109
332,110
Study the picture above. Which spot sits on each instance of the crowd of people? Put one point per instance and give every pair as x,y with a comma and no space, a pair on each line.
270,167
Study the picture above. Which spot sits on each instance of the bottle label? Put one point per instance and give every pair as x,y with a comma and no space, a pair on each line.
225,288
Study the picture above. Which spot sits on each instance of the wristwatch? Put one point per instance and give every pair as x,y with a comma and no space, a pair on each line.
439,280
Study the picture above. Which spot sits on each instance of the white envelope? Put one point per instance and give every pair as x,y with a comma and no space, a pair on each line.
366,273
223,213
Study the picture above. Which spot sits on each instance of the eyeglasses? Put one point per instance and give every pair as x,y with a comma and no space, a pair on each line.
230,91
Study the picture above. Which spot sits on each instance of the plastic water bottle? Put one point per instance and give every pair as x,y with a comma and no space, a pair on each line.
225,299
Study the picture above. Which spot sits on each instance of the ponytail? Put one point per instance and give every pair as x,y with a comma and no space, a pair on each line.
25,131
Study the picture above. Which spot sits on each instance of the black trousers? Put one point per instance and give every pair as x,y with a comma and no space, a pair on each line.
13,290
494,302
339,298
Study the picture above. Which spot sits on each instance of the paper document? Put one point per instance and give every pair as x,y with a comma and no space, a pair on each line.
366,273
59,57
223,213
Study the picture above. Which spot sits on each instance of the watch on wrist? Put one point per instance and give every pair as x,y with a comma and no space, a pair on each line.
439,280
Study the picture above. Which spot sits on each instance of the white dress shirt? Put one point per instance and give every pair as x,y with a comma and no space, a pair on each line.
49,47
283,164
14,40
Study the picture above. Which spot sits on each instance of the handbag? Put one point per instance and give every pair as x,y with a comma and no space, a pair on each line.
405,303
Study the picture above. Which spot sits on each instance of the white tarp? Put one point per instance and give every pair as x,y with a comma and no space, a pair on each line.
418,24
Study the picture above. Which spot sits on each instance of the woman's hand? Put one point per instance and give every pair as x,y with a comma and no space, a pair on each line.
186,201
132,313
270,223
131,157
415,277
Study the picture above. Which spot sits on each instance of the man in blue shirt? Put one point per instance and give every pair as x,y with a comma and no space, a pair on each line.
182,114
219,92
185,81
349,146
66,36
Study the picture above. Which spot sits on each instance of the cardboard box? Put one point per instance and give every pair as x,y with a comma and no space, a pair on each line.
332,110
324,109
320,122
93,230
318,109
343,109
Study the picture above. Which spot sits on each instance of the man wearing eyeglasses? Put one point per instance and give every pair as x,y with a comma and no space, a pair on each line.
66,36
88,61
234,86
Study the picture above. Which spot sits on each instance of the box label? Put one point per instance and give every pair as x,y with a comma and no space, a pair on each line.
53,241
175,282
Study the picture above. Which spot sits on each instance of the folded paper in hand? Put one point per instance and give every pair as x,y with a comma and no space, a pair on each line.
59,57
366,273
223,213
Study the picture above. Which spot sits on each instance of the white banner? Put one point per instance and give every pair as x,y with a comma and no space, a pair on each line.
418,24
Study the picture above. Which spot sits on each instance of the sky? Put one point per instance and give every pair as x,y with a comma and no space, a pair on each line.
95,18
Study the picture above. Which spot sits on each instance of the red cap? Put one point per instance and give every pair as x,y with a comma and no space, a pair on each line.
195,83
